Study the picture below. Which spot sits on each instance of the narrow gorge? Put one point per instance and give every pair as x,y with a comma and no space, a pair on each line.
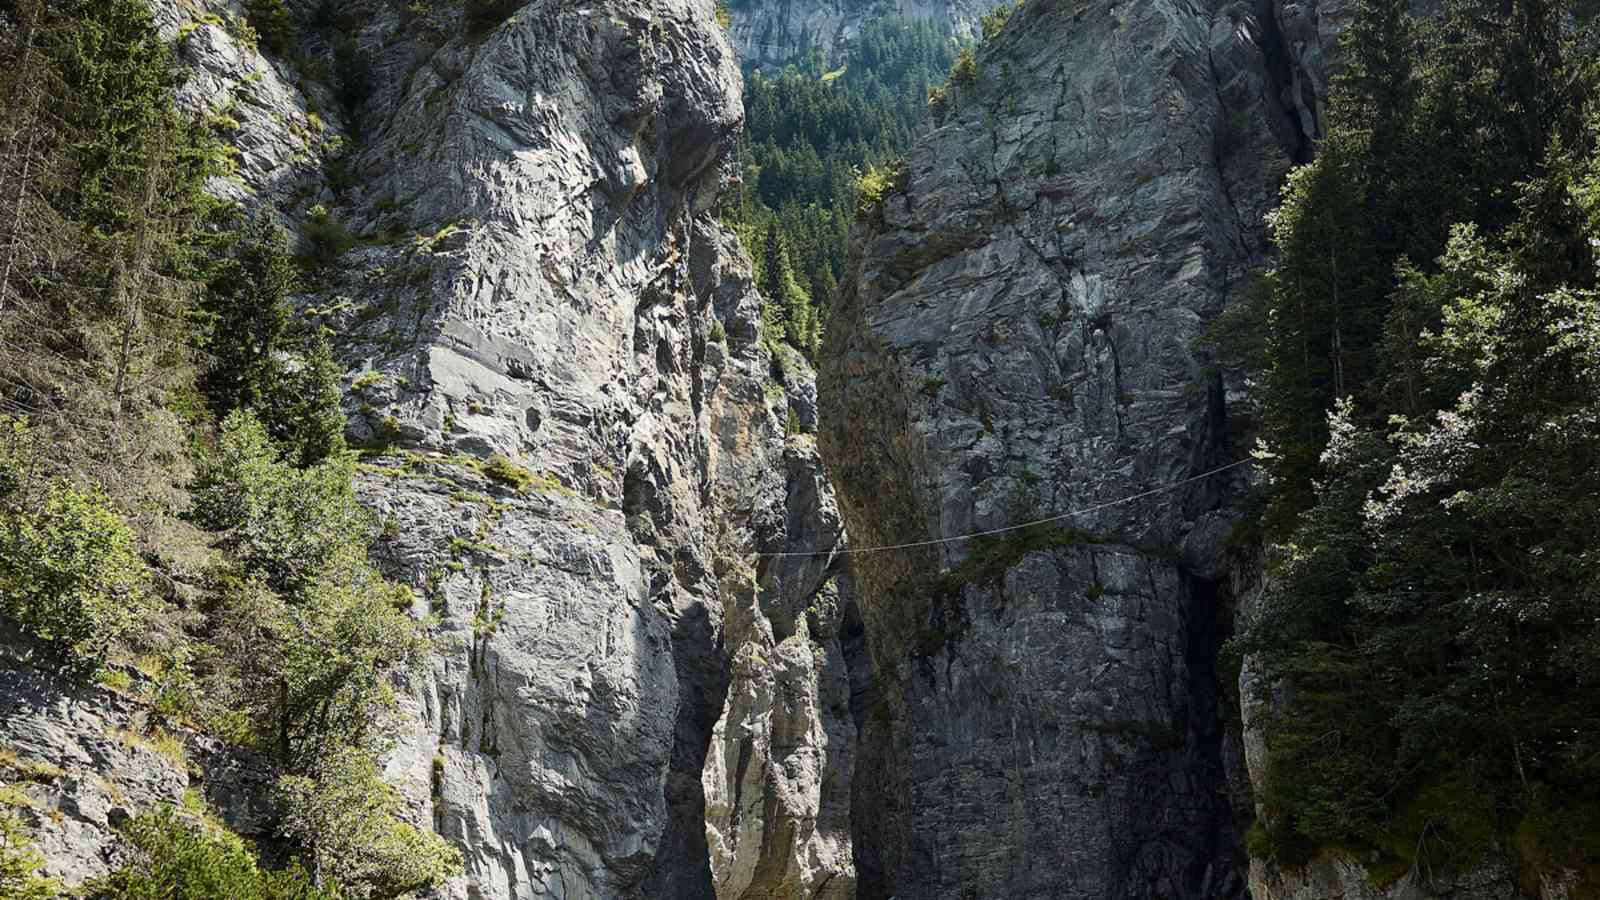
939,607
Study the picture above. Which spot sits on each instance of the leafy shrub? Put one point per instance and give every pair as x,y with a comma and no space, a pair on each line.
965,71
344,814
875,185
69,574
289,526
271,20
938,102
300,404
20,864
305,633
508,473
328,237
183,860
992,22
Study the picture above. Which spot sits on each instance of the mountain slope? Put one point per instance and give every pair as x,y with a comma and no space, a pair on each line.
776,32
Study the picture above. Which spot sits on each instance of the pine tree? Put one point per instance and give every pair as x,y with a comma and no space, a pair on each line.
247,315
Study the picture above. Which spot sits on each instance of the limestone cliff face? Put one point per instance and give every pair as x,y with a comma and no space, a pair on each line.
775,32
625,700
1018,340
588,319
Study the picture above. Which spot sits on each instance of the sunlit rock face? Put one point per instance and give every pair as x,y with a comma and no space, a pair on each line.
770,33
625,700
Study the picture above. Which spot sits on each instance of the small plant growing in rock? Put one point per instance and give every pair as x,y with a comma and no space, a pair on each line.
329,238
504,471
115,679
271,20
875,184
965,71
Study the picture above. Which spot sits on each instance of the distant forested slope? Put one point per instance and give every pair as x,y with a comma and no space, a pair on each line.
811,134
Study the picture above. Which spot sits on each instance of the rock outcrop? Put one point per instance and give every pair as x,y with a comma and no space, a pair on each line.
1018,341
579,444
775,32
78,761
573,307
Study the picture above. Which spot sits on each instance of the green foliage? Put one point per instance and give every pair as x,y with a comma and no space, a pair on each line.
273,23
69,574
257,360
287,525
965,72
876,184
304,641
307,632
301,405
789,313
345,815
810,131
327,235
20,863
994,21
183,860
508,473
107,178
246,315
1431,613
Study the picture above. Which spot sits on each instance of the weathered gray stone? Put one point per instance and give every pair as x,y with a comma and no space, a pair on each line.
1334,878
776,32
87,759
1018,340
539,276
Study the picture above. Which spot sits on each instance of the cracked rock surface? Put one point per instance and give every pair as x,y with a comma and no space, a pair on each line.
1018,339
776,32
624,700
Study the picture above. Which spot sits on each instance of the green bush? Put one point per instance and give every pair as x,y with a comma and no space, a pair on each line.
183,860
271,20
994,21
69,574
20,863
875,185
965,71
345,815
508,473
328,236
289,526
305,633
300,405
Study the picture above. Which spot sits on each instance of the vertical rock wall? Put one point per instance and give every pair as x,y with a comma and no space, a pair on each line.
1019,340
776,32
